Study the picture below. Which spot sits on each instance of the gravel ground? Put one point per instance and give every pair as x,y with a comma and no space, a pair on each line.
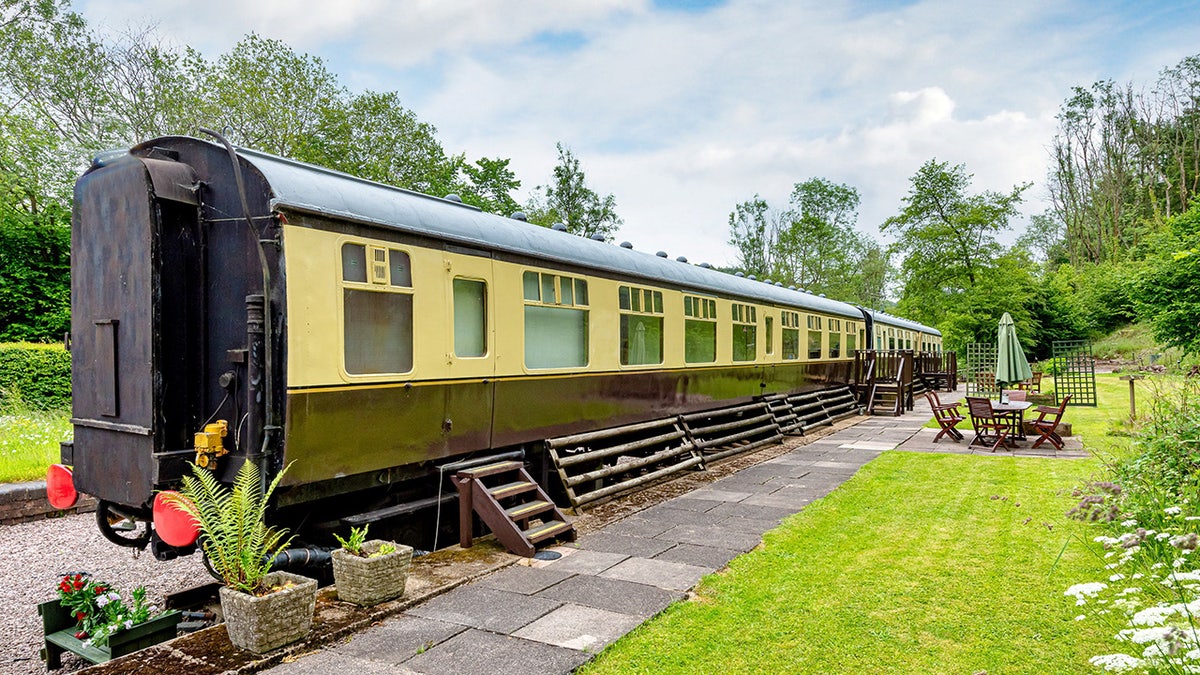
33,556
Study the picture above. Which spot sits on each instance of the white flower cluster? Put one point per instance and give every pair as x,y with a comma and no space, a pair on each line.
1162,612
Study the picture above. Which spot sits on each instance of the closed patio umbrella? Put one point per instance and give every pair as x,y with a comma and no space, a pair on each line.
1011,364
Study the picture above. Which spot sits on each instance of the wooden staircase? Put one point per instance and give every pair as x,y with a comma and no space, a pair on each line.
511,505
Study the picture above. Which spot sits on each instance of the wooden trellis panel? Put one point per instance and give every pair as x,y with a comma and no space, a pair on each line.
981,370
1075,372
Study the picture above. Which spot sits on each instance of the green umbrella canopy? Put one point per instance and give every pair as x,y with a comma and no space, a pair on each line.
1011,364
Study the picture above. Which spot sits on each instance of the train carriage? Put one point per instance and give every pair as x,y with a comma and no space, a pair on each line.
230,304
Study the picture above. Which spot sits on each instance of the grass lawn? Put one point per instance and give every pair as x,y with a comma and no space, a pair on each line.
29,442
919,564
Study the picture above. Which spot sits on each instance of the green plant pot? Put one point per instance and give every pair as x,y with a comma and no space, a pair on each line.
58,625
261,624
370,581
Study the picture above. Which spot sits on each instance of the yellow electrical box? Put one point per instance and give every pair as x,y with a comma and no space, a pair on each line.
210,443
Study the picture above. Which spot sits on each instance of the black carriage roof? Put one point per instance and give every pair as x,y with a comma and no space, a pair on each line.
316,190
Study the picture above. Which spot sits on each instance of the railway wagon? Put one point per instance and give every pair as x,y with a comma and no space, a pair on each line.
230,305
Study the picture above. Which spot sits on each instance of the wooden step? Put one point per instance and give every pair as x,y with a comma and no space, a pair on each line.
528,509
546,530
511,489
492,469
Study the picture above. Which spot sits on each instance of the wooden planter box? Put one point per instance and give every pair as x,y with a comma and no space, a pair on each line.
261,624
58,626
370,581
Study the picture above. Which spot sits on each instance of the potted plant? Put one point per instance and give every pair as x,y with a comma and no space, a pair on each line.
95,621
263,609
369,572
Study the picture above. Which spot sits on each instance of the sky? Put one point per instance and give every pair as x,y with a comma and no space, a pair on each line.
684,108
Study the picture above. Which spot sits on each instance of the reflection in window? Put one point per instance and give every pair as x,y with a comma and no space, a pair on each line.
641,330
745,332
699,330
851,344
835,345
470,318
814,344
770,321
556,326
555,337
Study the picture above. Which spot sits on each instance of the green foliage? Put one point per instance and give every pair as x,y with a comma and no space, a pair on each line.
570,201
354,544
37,375
948,236
35,282
812,244
1164,468
1166,290
752,229
233,531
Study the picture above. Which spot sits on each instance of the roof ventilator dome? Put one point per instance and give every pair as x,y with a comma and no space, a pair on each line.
519,215
627,245
453,198
681,259
559,227
661,254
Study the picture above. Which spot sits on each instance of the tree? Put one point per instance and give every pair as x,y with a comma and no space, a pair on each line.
752,230
1166,294
491,184
948,236
570,201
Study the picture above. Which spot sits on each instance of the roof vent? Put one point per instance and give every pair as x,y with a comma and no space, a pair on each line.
752,278
791,288
822,295
738,274
681,258
519,215
779,284
597,237
661,254
453,198
558,227
627,245
706,266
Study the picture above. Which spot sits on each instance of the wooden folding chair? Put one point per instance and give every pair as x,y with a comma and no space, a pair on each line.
1048,427
947,417
985,420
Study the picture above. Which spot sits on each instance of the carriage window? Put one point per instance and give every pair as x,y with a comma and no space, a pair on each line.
377,318
851,344
814,344
835,325
770,322
835,345
641,326
470,318
556,321
354,262
700,330
401,273
745,333
814,323
790,322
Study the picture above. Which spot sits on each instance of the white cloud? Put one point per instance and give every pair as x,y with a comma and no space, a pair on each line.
682,115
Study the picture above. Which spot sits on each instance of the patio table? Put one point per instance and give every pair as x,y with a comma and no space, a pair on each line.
1014,412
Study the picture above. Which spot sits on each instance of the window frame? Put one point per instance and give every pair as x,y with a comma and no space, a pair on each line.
372,283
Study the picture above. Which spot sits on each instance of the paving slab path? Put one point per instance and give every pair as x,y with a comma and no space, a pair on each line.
553,616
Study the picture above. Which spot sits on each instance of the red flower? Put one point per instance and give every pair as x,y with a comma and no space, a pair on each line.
78,585
81,635
99,589
79,616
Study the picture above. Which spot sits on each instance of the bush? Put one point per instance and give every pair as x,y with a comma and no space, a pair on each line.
35,374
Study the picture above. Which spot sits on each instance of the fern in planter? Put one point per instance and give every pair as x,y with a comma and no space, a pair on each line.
233,531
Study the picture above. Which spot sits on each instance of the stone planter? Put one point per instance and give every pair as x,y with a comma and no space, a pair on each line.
370,581
261,624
